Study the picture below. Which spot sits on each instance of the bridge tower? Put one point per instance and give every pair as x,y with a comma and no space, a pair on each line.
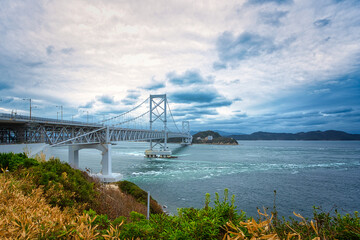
186,129
158,113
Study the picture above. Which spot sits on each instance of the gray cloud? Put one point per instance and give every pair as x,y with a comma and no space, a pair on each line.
131,98
4,86
133,95
88,104
337,111
154,86
322,22
216,103
194,112
246,45
241,115
5,100
33,64
201,98
270,1
128,102
314,122
219,65
187,78
194,96
67,51
50,49
106,99
272,18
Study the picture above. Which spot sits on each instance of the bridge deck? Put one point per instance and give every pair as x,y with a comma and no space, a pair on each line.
22,129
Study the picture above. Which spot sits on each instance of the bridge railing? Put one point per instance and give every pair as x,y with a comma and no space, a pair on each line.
16,117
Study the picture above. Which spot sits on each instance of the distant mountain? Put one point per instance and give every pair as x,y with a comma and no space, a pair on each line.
313,135
226,134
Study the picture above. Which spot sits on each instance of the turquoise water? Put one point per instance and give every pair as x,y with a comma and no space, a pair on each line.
304,173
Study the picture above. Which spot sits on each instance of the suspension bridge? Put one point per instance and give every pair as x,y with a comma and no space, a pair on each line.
148,121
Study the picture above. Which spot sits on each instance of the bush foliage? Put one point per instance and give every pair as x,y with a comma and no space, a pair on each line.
140,195
64,185
45,200
191,223
12,161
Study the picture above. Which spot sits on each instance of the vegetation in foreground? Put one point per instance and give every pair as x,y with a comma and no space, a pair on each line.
50,200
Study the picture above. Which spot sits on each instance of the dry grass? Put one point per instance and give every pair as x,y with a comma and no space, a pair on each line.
40,157
31,217
114,203
257,230
263,229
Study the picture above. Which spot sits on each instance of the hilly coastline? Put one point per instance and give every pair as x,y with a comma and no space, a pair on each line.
211,137
330,135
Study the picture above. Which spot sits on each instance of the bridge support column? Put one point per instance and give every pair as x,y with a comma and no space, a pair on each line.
74,156
106,158
106,174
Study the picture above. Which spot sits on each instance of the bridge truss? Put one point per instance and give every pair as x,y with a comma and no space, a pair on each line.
101,135
22,129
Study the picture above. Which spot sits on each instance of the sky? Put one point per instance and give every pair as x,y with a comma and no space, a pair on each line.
236,66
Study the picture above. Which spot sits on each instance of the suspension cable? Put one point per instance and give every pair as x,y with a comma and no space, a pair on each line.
132,119
122,114
172,115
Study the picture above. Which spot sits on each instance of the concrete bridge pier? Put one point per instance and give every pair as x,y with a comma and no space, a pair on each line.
74,156
106,174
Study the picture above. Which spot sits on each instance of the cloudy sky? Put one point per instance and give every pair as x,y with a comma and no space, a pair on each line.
237,66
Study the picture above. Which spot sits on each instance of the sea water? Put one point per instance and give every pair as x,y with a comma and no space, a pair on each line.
304,174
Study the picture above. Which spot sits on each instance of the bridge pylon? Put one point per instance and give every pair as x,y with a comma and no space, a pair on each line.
186,129
158,113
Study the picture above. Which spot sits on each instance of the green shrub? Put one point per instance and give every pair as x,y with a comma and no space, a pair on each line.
63,185
132,189
102,221
12,161
117,221
140,195
323,225
191,223
347,227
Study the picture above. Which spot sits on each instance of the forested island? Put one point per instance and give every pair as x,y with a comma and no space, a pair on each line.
330,135
210,137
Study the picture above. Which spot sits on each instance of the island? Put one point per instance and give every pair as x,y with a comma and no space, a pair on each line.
210,137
